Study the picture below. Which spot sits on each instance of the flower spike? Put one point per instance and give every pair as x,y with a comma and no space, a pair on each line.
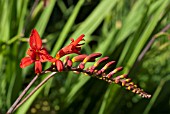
36,53
122,80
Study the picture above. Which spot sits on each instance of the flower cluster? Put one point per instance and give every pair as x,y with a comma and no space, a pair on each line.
38,54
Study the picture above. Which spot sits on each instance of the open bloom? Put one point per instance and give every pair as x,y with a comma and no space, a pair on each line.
36,53
73,47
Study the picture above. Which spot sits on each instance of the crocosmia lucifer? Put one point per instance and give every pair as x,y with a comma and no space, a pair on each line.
37,54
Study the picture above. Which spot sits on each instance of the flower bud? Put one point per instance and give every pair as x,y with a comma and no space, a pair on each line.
91,57
69,63
100,61
81,66
59,65
79,58
92,68
108,65
114,71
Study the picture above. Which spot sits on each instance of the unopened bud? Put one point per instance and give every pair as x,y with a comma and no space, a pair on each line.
79,58
117,80
69,63
107,65
91,57
59,65
129,87
100,61
114,71
128,80
81,66
123,82
122,76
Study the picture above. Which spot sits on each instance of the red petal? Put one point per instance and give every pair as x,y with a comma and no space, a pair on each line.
44,56
35,40
77,40
69,63
31,53
76,50
26,61
44,51
38,67
59,65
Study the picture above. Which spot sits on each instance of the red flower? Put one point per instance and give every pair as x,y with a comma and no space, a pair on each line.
73,47
36,53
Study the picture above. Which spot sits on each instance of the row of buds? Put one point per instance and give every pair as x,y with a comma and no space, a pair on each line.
126,82
122,80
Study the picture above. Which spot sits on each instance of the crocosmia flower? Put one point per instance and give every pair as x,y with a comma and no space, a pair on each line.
36,53
73,47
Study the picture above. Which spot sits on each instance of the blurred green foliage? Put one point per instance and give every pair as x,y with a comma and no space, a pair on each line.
119,29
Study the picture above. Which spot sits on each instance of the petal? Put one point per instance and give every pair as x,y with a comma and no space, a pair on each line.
26,61
76,50
59,65
44,56
38,67
43,51
35,40
77,40
31,53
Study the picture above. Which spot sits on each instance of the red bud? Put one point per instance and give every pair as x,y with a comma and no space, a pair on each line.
79,58
59,65
91,57
69,63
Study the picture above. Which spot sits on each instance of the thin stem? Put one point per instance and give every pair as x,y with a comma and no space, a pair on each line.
21,95
151,42
147,47
35,89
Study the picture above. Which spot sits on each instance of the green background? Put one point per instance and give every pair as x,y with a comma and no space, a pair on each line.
119,29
